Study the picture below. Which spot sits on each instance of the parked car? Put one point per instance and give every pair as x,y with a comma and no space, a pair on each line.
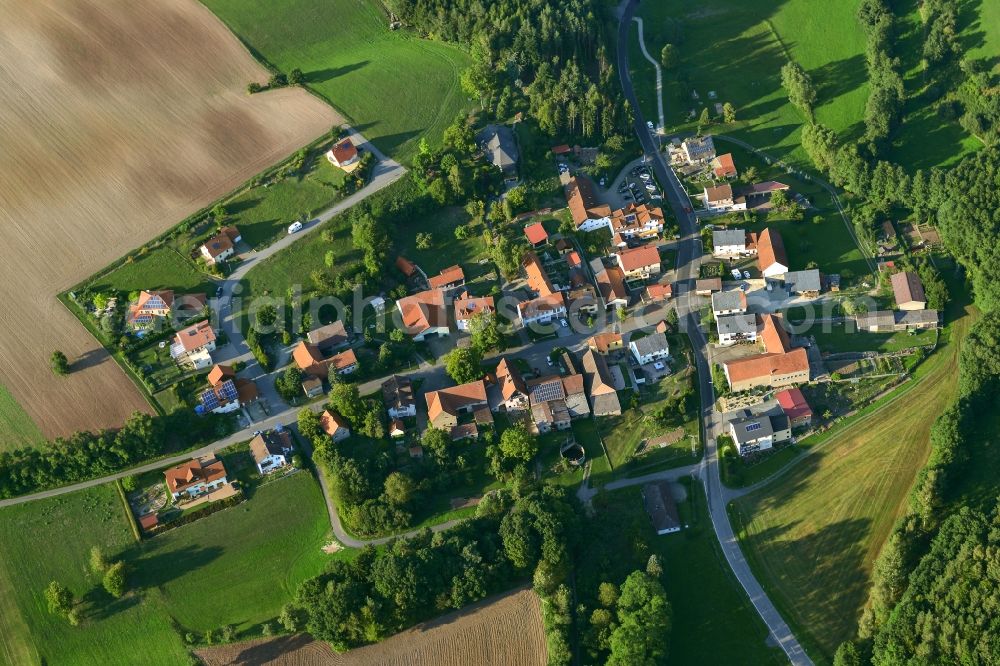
746,275
644,175
736,273
563,323
294,226
649,124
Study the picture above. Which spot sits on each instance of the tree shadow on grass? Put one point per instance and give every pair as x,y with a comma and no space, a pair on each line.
99,605
839,78
323,75
241,205
157,564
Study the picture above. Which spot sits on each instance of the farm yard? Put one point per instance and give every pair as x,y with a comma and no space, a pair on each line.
92,176
256,552
813,535
392,86
502,631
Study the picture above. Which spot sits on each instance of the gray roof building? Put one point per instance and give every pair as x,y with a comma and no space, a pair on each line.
729,301
744,324
751,428
660,506
803,282
722,237
911,318
651,344
502,148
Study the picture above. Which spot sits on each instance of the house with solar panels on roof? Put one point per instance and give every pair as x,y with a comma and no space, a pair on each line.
226,393
759,433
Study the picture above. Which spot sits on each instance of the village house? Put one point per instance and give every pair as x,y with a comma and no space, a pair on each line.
637,220
424,315
758,195
344,154
889,321
650,348
736,328
536,234
445,406
468,307
658,291
330,337
723,167
541,309
226,393
600,389
220,247
771,257
507,392
314,361
697,150
731,243
312,386
720,198
573,259
661,508
152,306
807,283
729,302
759,433
780,365
611,284
397,394
640,262
550,415
334,425
587,213
271,450
537,278
582,299
908,291
449,279
501,149
605,343
706,286
195,477
795,407
194,345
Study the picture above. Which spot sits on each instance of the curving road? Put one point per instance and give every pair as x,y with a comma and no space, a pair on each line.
688,262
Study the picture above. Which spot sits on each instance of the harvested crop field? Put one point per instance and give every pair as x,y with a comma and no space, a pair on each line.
119,118
502,631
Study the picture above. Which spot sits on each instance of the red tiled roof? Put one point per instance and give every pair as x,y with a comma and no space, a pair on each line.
196,336
466,308
906,287
767,365
330,422
793,403
770,250
344,151
405,266
774,335
723,166
536,233
573,259
659,290
219,373
582,201
638,257
538,279
200,470
449,276
422,311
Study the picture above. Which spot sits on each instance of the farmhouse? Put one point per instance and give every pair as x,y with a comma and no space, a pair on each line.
541,309
446,405
771,257
597,380
507,392
501,149
661,508
698,149
588,214
397,394
271,450
735,328
795,407
650,348
806,283
220,247
334,425
424,315
194,345
723,167
538,279
637,220
611,283
604,343
705,286
640,262
759,433
779,366
888,321
468,307
536,234
546,416
344,154
908,291
314,361
729,242
450,278
729,302
195,477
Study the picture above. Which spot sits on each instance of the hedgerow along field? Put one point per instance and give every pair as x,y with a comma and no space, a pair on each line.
129,117
737,48
391,85
813,535
237,566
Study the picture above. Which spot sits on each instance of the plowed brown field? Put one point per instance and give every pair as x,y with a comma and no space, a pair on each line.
118,118
504,631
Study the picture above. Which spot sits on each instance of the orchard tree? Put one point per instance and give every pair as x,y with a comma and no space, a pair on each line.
463,365
114,580
59,363
517,443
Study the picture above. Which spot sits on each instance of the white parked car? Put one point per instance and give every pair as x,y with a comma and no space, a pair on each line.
649,124
294,226
746,275
644,176
651,188
735,273
563,323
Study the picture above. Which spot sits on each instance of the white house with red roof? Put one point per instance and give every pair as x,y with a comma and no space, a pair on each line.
344,154
220,247
194,345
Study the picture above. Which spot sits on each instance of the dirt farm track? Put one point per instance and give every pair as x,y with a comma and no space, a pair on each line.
118,119
503,631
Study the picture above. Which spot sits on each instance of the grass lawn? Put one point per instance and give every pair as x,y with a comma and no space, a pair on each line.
162,268
737,48
255,554
18,428
813,535
585,432
445,249
390,85
713,621
839,339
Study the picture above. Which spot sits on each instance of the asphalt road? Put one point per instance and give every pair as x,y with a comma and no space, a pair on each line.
688,261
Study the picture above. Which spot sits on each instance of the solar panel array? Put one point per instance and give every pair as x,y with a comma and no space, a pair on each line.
228,390
214,398
753,426
209,399
548,391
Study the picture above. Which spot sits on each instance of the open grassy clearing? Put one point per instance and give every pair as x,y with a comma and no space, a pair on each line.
813,535
390,85
17,427
838,339
986,22
129,117
162,268
713,621
737,49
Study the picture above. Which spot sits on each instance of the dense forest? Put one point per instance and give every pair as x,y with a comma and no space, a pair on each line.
550,57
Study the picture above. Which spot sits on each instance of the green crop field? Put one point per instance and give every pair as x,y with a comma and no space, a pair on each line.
162,268
15,424
238,567
736,48
391,85
813,535
713,621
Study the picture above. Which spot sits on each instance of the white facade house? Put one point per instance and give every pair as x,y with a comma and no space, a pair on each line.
759,433
194,346
729,302
651,348
729,243
271,450
735,328
542,309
